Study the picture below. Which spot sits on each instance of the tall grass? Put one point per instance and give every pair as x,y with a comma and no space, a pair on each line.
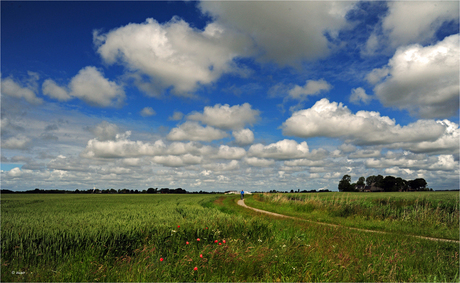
119,238
428,214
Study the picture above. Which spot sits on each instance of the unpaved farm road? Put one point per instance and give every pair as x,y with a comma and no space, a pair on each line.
241,202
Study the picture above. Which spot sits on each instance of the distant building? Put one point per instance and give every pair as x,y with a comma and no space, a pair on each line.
237,192
360,188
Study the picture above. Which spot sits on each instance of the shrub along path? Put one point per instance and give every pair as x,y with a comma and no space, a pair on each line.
241,202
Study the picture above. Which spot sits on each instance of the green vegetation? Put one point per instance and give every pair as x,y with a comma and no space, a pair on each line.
432,214
144,238
380,183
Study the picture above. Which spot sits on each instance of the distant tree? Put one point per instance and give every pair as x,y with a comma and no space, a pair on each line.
418,184
345,184
361,181
370,180
151,191
401,184
389,184
378,181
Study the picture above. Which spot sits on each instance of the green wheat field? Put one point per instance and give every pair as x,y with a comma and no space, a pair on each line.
209,238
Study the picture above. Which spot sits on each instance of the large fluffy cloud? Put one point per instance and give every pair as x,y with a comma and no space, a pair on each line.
284,32
226,117
424,80
330,119
90,86
172,54
417,22
448,143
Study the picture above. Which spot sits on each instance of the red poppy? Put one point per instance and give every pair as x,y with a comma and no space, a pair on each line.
198,239
196,268
220,244
186,243
201,255
223,241
215,241
161,259
178,226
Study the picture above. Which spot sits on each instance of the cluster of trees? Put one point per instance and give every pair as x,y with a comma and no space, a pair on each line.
380,183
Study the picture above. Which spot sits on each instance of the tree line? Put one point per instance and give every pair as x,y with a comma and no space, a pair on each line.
108,191
383,184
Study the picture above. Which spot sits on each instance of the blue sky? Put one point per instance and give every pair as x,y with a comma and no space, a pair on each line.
228,95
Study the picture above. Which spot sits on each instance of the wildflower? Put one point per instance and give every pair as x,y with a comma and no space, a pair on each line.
201,255
198,239
178,226
215,241
186,243
220,244
223,241
196,268
161,259
173,231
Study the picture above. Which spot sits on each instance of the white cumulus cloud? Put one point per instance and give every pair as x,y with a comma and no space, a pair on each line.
171,54
423,80
283,32
88,85
282,150
13,88
259,162
226,117
331,119
243,136
359,95
227,152
311,87
417,22
193,131
105,131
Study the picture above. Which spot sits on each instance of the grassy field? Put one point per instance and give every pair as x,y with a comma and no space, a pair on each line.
117,238
432,214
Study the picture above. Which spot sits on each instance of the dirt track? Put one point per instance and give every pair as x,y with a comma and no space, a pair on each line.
241,202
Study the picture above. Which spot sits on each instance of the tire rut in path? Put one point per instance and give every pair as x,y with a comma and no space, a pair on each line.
241,202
